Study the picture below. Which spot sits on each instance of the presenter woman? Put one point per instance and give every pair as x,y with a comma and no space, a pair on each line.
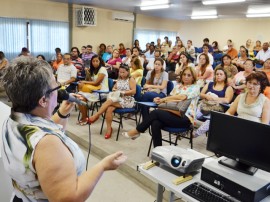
44,164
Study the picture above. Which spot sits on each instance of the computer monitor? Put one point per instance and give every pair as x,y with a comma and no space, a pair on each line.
245,143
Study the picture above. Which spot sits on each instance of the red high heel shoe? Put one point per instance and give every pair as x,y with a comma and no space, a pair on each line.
108,135
92,121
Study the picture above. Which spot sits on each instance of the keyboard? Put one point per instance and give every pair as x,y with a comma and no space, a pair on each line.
203,193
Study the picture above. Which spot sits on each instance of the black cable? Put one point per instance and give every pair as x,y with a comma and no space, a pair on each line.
90,144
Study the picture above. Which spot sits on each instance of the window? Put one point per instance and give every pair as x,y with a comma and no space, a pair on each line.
43,37
13,34
147,36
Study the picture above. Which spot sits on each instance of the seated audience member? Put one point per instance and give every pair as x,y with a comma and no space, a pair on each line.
226,64
126,60
184,62
136,52
83,49
147,47
239,62
180,47
205,49
113,65
163,53
96,79
41,57
225,48
122,50
258,46
54,57
25,52
127,87
136,69
210,48
59,61
159,118
266,68
150,65
137,45
177,38
76,61
86,57
3,62
263,54
215,47
108,54
42,161
217,91
166,42
172,59
67,73
249,47
150,53
158,46
169,47
232,52
252,104
239,80
155,86
204,70
190,50
101,49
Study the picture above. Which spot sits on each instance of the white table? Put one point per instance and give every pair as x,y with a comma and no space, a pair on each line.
163,177
6,186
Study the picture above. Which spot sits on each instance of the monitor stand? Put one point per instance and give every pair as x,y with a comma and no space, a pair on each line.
236,165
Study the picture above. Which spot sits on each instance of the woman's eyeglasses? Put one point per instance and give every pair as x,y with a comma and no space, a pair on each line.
53,89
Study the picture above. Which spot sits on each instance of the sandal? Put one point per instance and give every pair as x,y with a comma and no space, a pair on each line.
83,123
134,137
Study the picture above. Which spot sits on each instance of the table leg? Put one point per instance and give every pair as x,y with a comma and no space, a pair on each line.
171,196
160,193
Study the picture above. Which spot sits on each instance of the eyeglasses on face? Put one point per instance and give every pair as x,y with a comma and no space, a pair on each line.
48,92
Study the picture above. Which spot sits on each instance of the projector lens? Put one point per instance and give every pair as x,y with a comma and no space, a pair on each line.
176,160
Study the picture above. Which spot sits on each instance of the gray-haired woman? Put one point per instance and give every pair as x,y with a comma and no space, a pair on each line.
42,161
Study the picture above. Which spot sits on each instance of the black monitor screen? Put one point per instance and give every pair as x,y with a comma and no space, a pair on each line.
242,140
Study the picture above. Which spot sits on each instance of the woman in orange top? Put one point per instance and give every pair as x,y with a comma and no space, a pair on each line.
58,61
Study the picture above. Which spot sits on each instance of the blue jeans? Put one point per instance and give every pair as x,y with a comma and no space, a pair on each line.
149,97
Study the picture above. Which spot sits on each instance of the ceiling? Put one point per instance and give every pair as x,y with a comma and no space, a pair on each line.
179,9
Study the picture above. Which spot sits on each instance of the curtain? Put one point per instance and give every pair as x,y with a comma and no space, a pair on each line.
146,36
46,36
13,34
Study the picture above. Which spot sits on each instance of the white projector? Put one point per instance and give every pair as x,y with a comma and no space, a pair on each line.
182,160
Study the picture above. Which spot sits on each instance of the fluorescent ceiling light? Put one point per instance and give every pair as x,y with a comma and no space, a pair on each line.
154,2
143,8
258,9
204,17
204,12
211,2
258,15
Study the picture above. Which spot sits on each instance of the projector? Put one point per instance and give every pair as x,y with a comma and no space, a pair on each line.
182,160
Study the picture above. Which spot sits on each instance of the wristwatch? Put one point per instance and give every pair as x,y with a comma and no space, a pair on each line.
62,116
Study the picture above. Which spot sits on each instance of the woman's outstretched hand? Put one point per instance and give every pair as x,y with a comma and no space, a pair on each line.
113,161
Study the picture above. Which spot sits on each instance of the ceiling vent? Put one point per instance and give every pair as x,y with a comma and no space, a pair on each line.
121,16
86,16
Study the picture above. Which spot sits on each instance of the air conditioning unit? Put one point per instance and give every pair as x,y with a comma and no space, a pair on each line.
121,16
86,16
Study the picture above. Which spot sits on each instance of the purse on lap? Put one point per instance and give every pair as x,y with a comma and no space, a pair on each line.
180,106
207,106
115,96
